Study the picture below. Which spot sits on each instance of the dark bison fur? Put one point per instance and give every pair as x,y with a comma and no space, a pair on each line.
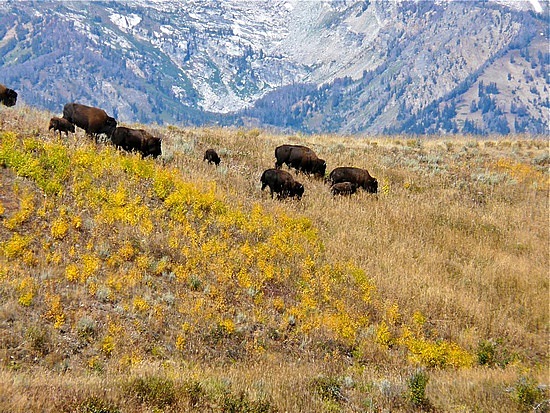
211,156
8,97
301,158
94,121
282,183
136,140
61,125
343,188
358,176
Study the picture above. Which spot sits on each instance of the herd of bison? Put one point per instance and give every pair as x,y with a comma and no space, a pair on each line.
95,121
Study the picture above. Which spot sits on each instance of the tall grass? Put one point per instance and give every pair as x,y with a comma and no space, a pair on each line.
131,285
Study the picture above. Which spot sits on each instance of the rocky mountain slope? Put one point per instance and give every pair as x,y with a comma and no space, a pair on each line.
312,66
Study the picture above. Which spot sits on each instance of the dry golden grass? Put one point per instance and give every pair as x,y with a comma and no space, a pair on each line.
171,285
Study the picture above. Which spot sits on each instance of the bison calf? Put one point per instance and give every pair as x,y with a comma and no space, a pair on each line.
8,96
343,188
211,156
61,125
282,183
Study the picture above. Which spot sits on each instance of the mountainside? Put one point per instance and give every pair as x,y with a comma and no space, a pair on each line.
322,66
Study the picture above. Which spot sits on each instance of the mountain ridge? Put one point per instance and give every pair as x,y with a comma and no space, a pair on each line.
369,67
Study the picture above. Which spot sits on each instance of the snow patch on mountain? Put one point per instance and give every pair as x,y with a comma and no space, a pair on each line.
125,23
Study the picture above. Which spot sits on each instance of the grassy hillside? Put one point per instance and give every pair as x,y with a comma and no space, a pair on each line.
132,285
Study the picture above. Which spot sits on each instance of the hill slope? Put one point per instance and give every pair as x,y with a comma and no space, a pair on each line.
183,287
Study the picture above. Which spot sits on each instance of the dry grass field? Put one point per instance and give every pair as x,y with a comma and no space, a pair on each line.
170,285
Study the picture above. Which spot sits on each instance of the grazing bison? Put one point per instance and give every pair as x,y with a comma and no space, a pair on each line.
358,176
308,163
136,140
93,120
282,183
61,125
343,188
301,158
211,156
8,96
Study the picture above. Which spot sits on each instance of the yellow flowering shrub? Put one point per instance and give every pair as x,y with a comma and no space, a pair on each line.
435,353
140,305
16,247
26,211
72,273
383,335
27,290
55,312
59,228
522,172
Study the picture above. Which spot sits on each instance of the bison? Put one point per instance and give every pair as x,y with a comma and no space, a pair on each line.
211,156
8,96
343,188
301,158
136,140
358,176
308,163
61,125
282,183
94,121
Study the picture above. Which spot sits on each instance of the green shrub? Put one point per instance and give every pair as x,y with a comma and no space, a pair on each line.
417,388
328,388
491,354
152,390
527,393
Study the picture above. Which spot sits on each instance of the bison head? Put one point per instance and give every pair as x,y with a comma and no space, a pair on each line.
110,126
154,147
10,97
319,167
53,124
371,186
297,190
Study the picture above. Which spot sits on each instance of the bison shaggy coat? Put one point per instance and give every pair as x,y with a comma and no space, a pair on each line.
93,120
8,96
61,125
301,158
211,156
136,140
282,183
343,188
358,176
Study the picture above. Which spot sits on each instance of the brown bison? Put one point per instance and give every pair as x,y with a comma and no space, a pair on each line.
301,158
136,140
8,96
61,125
358,176
94,121
211,156
282,183
343,188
